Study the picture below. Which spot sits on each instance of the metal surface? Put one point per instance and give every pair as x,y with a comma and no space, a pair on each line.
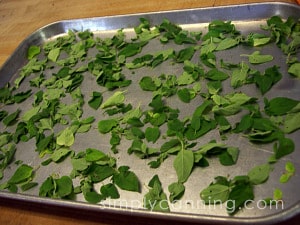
247,18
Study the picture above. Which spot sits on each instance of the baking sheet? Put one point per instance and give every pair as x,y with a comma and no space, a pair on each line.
247,18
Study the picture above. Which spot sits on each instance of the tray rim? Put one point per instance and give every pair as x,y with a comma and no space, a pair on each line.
282,216
7,63
31,199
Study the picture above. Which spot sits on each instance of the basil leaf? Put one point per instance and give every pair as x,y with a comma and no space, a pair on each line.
294,69
183,164
23,173
114,100
229,157
173,144
259,174
54,54
147,84
99,173
96,100
184,95
176,191
126,180
64,186
22,96
280,105
215,74
93,155
268,79
185,54
215,193
59,154
239,76
92,197
238,196
284,147
156,199
291,122
65,138
105,126
47,187
33,51
152,134
227,43
257,58
11,119
109,191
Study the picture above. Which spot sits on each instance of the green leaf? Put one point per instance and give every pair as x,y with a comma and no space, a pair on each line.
229,157
185,78
289,167
47,188
23,173
208,48
280,105
116,99
133,115
183,164
96,100
257,39
223,123
64,186
126,180
277,194
59,154
92,197
259,174
238,196
65,138
291,122
264,82
284,178
27,186
99,173
110,191
239,76
92,155
289,172
176,191
227,43
152,134
215,74
294,69
33,51
132,49
185,54
173,145
215,194
156,199
257,58
80,164
147,84
22,96
54,54
105,126
184,95
204,149
230,104
11,119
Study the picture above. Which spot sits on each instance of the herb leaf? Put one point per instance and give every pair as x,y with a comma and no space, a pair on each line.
126,179
257,58
259,174
183,164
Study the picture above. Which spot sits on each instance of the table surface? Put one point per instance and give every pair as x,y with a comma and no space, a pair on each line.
18,19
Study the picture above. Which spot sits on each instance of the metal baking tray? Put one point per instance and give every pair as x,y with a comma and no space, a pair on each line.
247,18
